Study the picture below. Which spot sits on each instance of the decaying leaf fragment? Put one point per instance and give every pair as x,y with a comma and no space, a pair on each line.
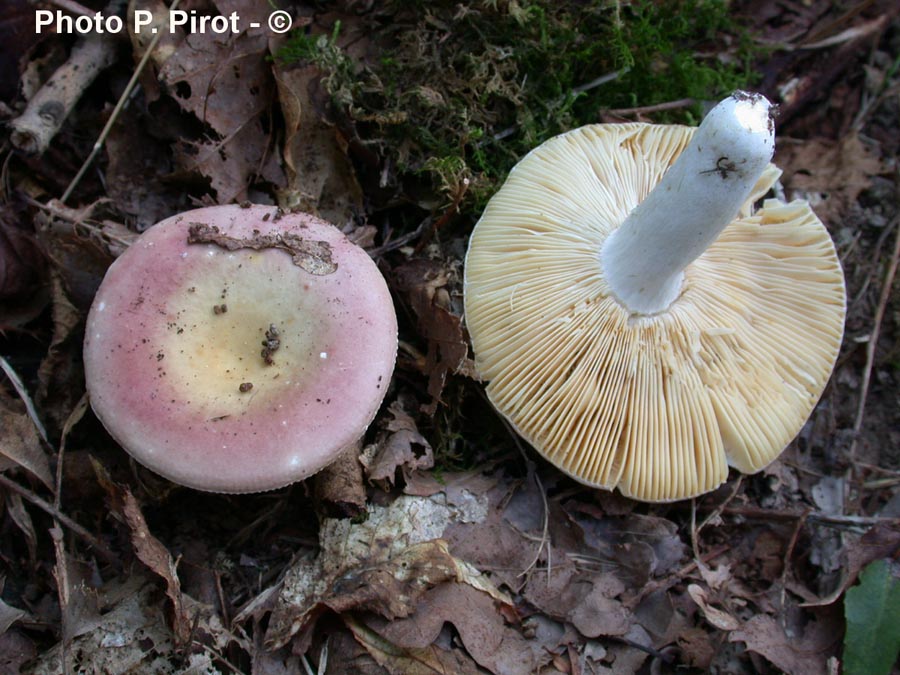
404,661
130,637
20,444
150,551
320,176
383,564
482,629
225,83
403,448
425,283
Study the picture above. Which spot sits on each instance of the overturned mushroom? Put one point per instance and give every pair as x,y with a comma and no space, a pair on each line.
637,322
234,351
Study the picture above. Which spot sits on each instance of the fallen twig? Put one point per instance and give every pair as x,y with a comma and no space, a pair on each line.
26,399
759,513
120,105
647,109
98,546
873,343
672,579
51,105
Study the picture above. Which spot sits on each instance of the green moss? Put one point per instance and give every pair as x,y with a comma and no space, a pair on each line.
460,92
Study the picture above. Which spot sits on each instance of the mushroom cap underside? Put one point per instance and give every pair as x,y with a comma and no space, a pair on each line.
245,369
658,406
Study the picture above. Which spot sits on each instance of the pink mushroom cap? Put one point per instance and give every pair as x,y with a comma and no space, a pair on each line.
246,363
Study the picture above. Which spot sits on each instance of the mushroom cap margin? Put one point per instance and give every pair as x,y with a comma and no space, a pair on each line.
150,358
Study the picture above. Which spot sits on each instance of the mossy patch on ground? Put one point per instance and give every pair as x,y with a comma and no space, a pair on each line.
455,94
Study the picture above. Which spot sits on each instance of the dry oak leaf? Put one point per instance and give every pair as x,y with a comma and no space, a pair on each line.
320,176
482,629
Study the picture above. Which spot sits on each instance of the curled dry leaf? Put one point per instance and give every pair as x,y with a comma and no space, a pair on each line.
339,488
397,660
149,551
425,284
880,541
403,448
717,617
320,176
157,558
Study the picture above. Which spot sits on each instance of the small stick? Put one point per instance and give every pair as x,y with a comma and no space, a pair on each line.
873,343
758,513
647,109
77,529
120,105
51,105
789,553
669,581
26,399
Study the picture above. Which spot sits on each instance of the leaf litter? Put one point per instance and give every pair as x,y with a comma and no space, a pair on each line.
459,556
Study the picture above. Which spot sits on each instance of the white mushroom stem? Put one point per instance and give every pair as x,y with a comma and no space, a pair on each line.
644,259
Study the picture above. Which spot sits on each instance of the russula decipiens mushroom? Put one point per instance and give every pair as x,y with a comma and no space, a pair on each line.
238,349
638,323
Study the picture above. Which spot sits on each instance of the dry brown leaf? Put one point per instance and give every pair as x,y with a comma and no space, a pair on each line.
717,617
393,588
831,173
20,444
15,507
403,448
880,541
353,556
599,612
226,84
339,490
9,615
587,600
482,629
643,546
428,660
347,653
804,652
137,172
424,282
696,647
157,558
61,373
22,272
78,601
131,637
320,176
